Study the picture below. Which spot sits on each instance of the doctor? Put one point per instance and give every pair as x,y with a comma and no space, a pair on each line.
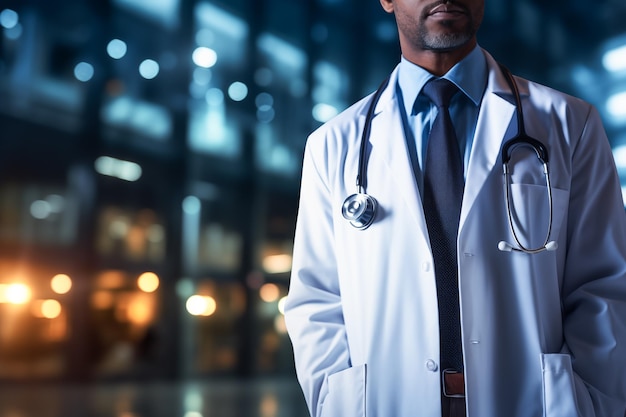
539,334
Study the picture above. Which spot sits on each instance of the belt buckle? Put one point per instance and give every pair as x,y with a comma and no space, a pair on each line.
447,392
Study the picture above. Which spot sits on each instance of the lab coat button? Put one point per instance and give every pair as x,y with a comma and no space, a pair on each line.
426,266
431,365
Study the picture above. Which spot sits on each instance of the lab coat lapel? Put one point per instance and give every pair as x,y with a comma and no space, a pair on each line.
495,116
388,140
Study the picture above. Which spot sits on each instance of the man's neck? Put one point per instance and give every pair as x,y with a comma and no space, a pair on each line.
437,62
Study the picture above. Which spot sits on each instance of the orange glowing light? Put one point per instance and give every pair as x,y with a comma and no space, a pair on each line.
279,324
269,406
16,293
61,284
140,311
111,279
46,309
3,293
269,292
201,305
277,264
51,309
102,300
148,282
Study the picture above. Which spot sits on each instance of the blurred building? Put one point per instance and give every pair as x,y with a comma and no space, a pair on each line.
150,157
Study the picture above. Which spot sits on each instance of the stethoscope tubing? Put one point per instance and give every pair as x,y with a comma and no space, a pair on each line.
542,154
507,187
360,208
361,178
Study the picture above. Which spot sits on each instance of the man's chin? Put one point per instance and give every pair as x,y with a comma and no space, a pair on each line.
446,42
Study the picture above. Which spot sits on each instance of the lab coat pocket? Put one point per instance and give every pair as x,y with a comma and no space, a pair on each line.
530,210
346,393
559,392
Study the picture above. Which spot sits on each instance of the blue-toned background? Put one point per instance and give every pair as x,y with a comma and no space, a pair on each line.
150,157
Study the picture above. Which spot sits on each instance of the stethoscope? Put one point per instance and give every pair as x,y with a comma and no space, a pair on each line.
360,208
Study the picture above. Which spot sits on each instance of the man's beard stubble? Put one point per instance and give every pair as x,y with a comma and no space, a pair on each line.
444,42
447,41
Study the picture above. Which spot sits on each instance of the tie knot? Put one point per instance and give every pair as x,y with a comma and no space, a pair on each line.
440,91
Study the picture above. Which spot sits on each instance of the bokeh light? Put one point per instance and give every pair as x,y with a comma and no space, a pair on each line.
238,91
148,282
200,305
117,48
269,292
149,69
84,71
204,57
61,284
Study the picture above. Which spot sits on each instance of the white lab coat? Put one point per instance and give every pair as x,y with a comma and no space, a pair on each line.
543,334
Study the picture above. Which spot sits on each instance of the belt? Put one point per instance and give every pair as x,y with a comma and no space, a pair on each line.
453,384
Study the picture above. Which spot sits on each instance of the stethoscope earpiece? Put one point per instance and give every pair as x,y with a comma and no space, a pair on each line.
359,209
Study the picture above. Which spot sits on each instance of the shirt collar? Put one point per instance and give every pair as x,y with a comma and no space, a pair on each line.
470,75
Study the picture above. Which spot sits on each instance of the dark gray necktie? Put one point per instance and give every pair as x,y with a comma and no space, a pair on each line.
443,193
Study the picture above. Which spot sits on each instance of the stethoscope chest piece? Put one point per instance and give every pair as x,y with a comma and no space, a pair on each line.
359,209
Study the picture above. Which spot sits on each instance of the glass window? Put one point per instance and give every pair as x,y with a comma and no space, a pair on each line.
164,12
273,353
218,83
44,214
283,117
124,116
213,222
212,342
134,235
33,320
124,309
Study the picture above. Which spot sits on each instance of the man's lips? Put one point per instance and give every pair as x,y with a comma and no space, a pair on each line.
446,10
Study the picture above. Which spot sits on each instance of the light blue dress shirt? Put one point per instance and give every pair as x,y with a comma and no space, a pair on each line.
470,76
